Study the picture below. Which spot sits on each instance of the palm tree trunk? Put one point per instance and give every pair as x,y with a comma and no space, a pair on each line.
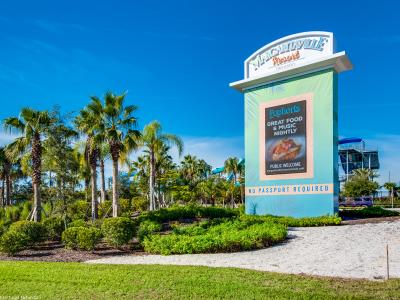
36,176
151,181
94,191
3,200
103,182
8,190
115,188
242,193
87,183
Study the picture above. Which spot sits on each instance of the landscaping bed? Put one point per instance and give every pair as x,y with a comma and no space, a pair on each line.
176,230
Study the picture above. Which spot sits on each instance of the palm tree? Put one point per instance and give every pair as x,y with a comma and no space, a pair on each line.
233,168
391,188
152,140
33,126
85,122
367,174
115,125
189,168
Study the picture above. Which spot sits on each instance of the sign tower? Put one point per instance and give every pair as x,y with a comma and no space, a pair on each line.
291,131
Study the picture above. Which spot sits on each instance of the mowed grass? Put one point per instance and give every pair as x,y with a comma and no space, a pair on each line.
41,280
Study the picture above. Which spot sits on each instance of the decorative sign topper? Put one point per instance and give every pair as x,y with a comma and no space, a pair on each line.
289,52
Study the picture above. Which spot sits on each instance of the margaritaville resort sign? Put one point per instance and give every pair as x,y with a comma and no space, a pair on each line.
289,51
290,89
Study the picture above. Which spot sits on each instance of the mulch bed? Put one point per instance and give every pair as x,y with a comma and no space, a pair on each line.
55,252
355,221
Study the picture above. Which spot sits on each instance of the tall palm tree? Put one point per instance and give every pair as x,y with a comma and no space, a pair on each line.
85,122
189,168
152,140
33,126
115,125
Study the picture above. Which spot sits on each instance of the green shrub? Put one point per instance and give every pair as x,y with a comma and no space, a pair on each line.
13,242
79,210
12,213
105,209
88,238
228,236
140,203
26,210
97,223
4,225
69,237
35,232
78,223
21,235
47,208
368,212
54,227
146,228
125,206
118,231
294,222
188,212
84,238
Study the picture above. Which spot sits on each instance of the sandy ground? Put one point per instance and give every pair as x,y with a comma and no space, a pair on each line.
353,251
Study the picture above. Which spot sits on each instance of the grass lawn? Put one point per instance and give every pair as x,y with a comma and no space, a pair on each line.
40,280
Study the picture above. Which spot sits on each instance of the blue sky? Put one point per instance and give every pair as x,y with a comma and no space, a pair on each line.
176,59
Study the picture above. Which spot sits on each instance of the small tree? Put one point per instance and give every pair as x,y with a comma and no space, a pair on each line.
391,188
360,184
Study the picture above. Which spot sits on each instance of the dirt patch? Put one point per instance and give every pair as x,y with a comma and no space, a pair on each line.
55,252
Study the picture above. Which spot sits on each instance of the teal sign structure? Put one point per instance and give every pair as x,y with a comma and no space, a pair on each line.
291,126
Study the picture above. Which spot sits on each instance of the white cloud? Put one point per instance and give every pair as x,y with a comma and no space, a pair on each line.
214,150
389,155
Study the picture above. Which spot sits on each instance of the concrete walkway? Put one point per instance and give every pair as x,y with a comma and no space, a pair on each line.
354,251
